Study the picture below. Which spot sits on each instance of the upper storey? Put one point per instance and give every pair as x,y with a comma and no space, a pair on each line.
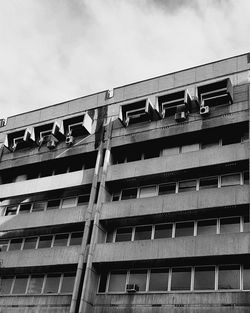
74,126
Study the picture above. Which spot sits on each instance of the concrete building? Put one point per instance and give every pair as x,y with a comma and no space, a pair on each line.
131,200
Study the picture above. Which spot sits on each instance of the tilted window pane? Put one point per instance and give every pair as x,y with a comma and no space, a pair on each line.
6,283
206,227
39,206
11,210
116,196
229,225
61,240
246,178
68,283
187,185
83,199
30,243
246,278
25,208
204,278
158,280
76,239
230,180
45,242
229,277
181,279
52,283
69,203
20,285
163,231
3,245
130,193
138,277
53,204
103,282
123,234
165,189
184,229
208,182
35,284
246,226
147,191
143,232
15,244
117,281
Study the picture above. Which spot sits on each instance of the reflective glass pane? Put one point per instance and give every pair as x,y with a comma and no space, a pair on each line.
45,242
165,189
206,227
143,232
20,285
39,206
6,283
229,277
15,244
204,278
184,229
229,225
61,240
35,284
69,202
230,180
130,193
52,283
147,191
163,231
123,234
68,283
138,277
117,281
158,280
181,279
30,243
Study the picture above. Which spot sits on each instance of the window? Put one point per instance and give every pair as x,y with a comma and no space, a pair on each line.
130,193
76,239
184,229
143,232
15,244
52,283
103,282
147,191
20,285
206,227
68,283
35,284
39,206
204,278
11,210
123,234
231,139
163,231
230,180
4,245
83,199
53,204
25,208
117,281
229,225
181,279
229,277
168,151
165,189
208,182
134,155
6,284
187,185
246,277
109,237
30,243
209,142
116,196
152,153
138,277
190,148
76,166
61,240
246,177
246,226
45,242
158,280
69,202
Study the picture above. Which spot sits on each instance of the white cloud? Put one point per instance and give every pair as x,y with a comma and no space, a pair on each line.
55,50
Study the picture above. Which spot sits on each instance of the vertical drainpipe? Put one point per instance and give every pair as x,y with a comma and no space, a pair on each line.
84,303
86,232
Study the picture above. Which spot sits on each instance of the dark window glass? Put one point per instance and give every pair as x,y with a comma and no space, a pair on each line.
143,232
209,142
130,193
20,285
204,278
117,281
6,283
187,185
46,170
39,206
231,138
61,168
246,226
229,277
116,196
76,239
206,227
165,189
158,280
208,182
25,208
45,242
3,245
11,210
83,199
35,284
229,225
110,236
246,278
76,166
246,178
181,279
52,283
245,136
103,282
53,204
30,243
69,203
134,156
68,283
184,229
61,240
15,244
163,231
230,180
138,277
123,234
152,153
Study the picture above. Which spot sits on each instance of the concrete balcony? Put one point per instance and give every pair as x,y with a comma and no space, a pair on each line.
40,257
193,200
43,219
35,303
201,158
182,247
182,302
46,183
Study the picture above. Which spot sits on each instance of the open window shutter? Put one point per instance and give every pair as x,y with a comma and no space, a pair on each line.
230,90
6,142
121,116
58,130
87,123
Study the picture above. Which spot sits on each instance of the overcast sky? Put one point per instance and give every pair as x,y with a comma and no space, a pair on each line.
56,50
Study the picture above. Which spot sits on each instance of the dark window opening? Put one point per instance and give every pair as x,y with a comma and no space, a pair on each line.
123,234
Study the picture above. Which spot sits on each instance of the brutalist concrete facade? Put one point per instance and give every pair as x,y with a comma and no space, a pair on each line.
131,200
